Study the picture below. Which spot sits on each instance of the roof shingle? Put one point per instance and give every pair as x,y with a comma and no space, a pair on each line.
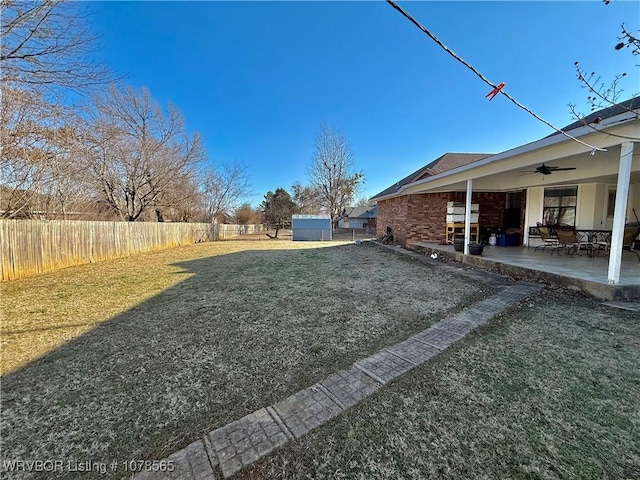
446,162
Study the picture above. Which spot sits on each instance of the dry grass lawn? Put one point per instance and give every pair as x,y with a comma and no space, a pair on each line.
548,390
135,358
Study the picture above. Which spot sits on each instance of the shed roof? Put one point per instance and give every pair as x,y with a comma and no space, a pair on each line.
298,216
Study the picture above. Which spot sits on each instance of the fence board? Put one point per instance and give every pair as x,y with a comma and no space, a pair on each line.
29,247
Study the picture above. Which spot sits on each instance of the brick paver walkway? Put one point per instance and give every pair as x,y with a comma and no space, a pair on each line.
242,442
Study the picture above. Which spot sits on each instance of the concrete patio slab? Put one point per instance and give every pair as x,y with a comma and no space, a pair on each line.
580,272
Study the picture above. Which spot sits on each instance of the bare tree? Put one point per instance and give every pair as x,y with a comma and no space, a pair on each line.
601,93
66,187
139,152
363,202
40,174
183,202
223,188
43,52
22,153
245,214
45,44
332,172
307,199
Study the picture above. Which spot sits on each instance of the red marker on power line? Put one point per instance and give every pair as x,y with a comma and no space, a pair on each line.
495,91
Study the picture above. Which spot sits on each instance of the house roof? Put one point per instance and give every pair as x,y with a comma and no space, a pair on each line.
600,115
622,112
448,161
363,212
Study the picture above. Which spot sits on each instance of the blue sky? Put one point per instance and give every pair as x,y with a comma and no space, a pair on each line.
257,79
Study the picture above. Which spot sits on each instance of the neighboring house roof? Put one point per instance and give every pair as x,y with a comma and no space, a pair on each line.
448,161
362,212
597,117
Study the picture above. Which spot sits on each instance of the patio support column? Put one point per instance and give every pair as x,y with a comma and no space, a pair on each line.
467,218
527,209
619,213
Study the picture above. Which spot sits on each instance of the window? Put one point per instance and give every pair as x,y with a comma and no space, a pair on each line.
514,200
560,206
611,202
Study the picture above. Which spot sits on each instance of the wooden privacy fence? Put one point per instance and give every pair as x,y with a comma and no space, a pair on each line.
29,247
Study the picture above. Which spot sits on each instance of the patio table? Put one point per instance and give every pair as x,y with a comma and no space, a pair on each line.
595,238
594,235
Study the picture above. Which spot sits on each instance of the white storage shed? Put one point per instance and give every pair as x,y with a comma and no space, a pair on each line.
315,228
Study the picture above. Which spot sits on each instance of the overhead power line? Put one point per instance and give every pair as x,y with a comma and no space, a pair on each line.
485,79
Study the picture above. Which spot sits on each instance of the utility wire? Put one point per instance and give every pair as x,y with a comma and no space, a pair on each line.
485,80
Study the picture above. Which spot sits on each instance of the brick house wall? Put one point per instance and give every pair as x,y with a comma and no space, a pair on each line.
491,204
422,217
426,217
393,213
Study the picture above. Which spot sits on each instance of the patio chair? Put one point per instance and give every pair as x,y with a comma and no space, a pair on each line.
629,238
571,242
546,236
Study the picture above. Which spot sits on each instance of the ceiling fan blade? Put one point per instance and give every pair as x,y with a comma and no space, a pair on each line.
548,170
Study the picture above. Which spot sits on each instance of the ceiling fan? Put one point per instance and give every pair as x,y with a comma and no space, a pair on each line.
547,170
